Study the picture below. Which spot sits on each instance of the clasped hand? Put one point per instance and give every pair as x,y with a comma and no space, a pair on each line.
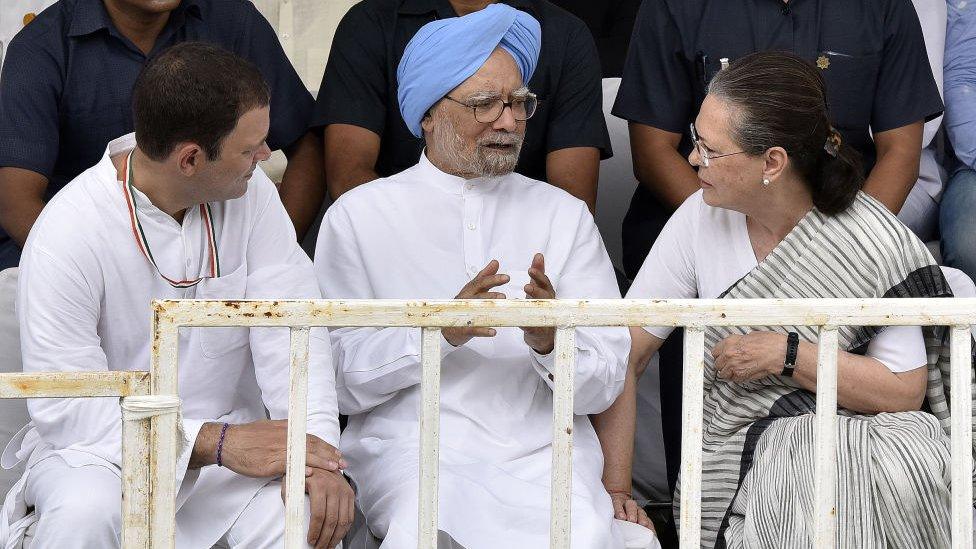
258,449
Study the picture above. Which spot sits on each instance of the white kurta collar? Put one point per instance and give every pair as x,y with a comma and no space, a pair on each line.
452,183
107,172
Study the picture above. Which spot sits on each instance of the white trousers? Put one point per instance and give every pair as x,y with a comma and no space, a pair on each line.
80,507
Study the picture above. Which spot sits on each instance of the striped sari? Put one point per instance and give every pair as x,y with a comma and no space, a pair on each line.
893,469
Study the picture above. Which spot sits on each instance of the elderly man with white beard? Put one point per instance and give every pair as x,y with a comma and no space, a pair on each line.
460,224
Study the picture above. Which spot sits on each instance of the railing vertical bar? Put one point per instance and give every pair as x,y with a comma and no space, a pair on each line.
297,419
825,468
135,477
692,405
960,386
562,438
163,372
430,423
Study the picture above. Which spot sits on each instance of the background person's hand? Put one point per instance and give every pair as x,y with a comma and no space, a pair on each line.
542,339
478,288
332,505
257,449
742,358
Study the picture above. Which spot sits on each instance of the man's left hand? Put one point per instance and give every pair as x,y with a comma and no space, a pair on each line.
332,505
542,339
742,358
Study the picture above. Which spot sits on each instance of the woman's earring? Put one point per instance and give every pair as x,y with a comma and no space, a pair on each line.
765,182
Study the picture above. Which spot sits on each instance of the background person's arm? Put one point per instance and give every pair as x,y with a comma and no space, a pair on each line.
303,183
352,101
896,169
575,170
21,201
960,81
658,165
350,157
576,135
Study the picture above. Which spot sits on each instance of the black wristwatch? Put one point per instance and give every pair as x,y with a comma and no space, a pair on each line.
792,345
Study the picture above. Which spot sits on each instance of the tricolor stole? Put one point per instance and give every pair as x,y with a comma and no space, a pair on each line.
205,213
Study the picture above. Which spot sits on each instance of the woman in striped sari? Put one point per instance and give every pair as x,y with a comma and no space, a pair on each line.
781,215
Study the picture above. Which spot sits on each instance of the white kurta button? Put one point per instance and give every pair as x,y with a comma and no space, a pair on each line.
471,226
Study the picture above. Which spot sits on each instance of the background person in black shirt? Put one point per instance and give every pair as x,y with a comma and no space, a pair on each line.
366,138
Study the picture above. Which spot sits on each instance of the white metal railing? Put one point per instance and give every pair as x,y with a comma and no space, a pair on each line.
135,432
565,315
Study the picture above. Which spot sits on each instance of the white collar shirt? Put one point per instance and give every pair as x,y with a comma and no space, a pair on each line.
423,234
84,305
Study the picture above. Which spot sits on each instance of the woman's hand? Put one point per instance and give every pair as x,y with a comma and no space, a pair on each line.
742,358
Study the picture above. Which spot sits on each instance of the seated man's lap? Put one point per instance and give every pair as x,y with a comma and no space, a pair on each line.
262,522
76,506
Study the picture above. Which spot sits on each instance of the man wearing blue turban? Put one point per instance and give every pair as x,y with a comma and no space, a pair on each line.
461,224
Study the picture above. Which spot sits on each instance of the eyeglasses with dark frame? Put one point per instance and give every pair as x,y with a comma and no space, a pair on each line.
522,108
703,151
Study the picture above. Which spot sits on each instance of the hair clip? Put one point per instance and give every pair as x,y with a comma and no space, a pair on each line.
832,145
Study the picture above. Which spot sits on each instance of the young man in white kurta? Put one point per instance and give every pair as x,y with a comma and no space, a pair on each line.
86,285
425,234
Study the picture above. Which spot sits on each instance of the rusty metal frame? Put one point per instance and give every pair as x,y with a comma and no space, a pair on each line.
136,491
566,315
155,452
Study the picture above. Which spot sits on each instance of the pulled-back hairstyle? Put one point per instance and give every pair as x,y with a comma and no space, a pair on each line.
780,100
193,92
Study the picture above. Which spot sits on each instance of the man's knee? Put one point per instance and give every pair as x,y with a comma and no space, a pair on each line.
81,504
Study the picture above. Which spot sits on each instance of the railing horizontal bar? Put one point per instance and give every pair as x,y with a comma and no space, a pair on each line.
73,384
569,313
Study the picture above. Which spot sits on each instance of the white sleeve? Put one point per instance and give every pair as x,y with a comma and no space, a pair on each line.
601,353
372,364
668,271
900,348
280,269
59,314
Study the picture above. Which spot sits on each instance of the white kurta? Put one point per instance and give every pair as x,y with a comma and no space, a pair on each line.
83,303
424,234
704,250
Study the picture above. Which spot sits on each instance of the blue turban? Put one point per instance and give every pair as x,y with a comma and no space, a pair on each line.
446,52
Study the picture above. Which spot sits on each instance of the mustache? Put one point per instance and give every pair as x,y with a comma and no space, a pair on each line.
501,139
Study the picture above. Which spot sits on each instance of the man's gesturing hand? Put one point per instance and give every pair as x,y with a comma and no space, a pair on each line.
541,339
478,288
257,449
